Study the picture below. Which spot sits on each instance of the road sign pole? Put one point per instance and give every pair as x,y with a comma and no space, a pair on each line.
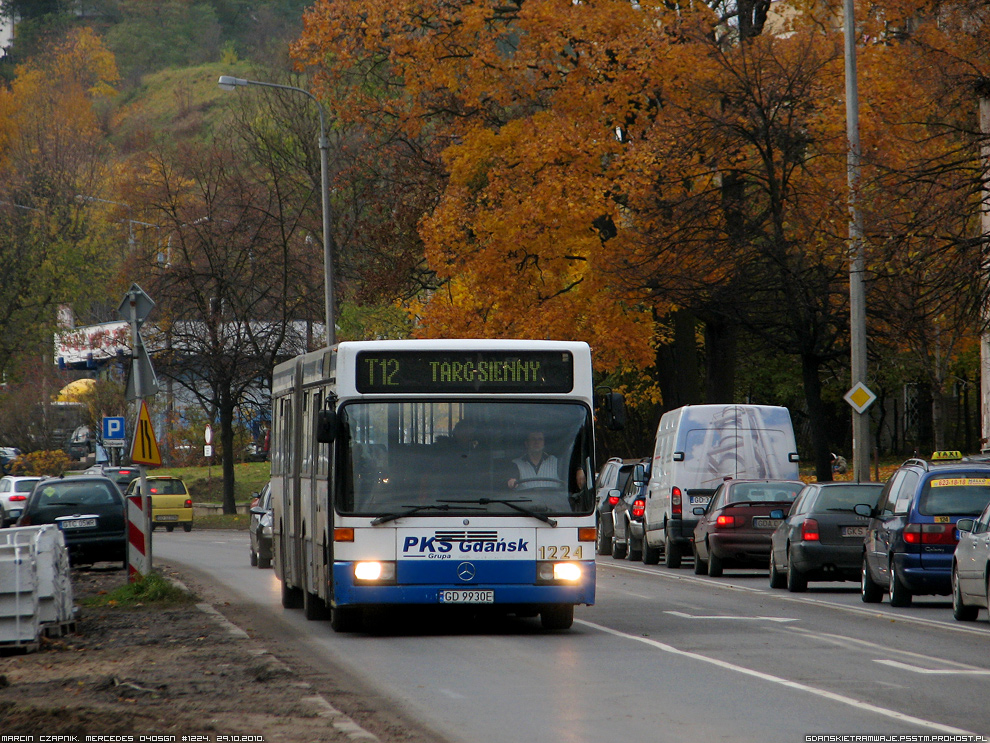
142,469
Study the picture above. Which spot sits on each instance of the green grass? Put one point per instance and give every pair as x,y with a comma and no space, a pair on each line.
152,590
223,521
205,484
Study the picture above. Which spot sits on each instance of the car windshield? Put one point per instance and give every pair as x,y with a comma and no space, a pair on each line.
466,457
77,494
24,486
846,497
763,492
956,494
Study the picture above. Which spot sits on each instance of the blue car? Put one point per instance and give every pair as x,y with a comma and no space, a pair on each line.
911,536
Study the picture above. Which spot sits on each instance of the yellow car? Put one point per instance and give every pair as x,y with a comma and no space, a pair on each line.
170,501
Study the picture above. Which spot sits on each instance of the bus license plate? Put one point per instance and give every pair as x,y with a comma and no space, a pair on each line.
467,597
78,524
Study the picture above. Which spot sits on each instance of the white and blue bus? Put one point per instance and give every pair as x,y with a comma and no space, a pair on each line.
435,473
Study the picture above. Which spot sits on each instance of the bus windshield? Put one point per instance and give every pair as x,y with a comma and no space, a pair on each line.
429,458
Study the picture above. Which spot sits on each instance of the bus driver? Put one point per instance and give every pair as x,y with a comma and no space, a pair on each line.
537,469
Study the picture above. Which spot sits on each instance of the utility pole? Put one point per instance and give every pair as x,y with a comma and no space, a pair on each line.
984,92
857,259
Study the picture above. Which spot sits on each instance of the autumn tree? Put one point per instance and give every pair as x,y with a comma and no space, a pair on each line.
51,151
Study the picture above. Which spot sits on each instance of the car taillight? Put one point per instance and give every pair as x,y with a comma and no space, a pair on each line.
188,503
809,531
724,520
613,499
18,497
930,534
639,508
675,501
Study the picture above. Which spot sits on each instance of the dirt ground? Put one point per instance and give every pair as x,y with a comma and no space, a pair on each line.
182,672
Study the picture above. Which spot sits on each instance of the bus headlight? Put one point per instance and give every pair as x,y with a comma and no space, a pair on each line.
558,572
374,572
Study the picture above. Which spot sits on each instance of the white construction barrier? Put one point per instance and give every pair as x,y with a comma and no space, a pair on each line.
35,585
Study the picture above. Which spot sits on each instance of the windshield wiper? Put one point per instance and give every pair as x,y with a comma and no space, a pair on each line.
514,504
409,512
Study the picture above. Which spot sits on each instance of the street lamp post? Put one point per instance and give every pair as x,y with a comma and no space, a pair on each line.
226,82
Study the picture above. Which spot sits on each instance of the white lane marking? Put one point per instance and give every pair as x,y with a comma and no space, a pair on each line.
852,643
934,671
950,626
722,616
832,696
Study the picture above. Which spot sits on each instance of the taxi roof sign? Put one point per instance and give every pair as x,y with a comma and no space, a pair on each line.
946,456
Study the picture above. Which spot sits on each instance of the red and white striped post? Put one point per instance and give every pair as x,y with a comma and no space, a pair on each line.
138,548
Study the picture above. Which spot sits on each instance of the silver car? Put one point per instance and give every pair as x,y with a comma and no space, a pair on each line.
260,529
971,567
14,492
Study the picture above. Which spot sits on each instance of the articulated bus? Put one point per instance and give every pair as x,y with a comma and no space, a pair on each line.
444,473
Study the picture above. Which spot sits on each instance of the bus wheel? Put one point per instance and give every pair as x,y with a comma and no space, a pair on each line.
292,598
557,616
345,619
313,606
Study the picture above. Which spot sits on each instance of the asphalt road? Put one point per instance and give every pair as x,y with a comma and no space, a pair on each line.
663,656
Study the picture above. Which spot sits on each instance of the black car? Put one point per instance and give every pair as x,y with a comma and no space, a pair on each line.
121,475
260,529
822,536
613,476
912,532
627,514
89,510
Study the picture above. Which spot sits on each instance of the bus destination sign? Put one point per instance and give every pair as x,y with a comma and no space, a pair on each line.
464,371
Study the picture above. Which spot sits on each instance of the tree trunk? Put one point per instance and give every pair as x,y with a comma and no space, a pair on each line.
226,413
821,456
720,361
677,364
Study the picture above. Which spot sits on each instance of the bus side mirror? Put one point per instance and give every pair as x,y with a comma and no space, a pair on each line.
614,405
326,426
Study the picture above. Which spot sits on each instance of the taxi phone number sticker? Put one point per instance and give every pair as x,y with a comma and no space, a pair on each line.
955,482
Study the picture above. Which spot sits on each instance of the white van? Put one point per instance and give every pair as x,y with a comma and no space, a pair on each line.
699,446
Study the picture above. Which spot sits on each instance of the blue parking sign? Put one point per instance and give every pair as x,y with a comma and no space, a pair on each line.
113,430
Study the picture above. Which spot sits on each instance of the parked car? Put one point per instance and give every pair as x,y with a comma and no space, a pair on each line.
260,529
7,456
696,447
81,443
14,492
734,529
170,501
971,567
911,539
88,509
627,514
612,476
822,536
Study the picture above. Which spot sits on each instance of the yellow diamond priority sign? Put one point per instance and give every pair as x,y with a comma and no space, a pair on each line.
860,397
144,448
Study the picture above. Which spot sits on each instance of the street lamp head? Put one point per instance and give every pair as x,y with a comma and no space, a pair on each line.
226,82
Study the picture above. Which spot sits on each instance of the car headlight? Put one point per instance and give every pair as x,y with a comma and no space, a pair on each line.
375,572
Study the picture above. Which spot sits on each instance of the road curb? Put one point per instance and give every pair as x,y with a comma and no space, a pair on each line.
271,665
